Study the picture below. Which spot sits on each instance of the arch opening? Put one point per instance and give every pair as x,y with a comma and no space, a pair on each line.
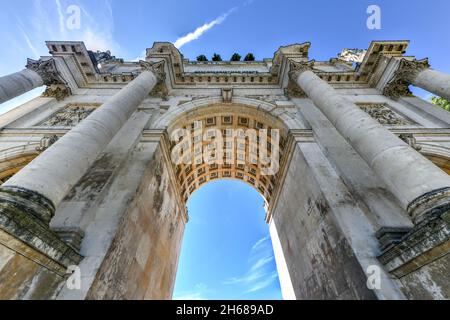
228,142
227,249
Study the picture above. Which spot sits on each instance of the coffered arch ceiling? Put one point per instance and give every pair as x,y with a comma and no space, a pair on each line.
241,152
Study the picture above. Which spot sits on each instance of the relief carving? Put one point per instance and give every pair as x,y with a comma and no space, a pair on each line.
46,142
57,91
383,114
403,77
293,90
47,71
69,117
411,141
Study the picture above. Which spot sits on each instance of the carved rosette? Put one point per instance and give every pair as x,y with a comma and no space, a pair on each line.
403,77
47,71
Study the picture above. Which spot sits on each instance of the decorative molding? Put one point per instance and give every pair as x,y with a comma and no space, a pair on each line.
47,70
382,113
411,141
46,142
160,90
352,55
293,90
227,95
156,67
69,116
298,68
403,77
57,91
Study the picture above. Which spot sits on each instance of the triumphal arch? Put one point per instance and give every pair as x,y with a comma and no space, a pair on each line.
97,171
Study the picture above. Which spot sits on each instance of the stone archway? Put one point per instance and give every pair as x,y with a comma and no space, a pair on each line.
154,223
15,159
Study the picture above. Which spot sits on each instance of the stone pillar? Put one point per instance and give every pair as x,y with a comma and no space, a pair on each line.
418,184
16,84
51,176
37,74
433,81
419,74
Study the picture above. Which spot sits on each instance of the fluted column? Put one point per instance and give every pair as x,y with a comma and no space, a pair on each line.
37,73
419,74
419,185
50,177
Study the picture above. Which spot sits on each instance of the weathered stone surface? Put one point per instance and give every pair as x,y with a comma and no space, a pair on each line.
337,206
320,259
142,261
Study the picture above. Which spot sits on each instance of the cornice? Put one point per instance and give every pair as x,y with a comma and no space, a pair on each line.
178,78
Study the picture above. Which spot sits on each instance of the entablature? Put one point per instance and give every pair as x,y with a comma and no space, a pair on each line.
101,69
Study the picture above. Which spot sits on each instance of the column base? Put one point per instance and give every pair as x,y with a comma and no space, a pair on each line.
389,237
428,242
430,204
72,236
25,216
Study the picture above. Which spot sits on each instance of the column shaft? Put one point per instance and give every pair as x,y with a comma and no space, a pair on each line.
433,81
15,84
58,169
408,175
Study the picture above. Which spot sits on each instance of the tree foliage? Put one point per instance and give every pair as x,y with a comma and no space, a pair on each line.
216,57
236,57
202,58
441,102
249,57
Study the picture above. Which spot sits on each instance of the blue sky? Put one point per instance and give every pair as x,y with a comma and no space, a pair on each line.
226,218
227,252
259,26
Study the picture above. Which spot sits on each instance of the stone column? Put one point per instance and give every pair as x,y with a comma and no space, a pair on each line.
418,184
18,83
419,74
37,74
40,187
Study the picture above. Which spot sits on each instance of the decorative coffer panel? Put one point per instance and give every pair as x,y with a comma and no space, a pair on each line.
70,116
384,115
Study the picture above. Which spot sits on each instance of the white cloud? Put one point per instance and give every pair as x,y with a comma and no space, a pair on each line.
200,292
260,275
201,30
260,243
268,280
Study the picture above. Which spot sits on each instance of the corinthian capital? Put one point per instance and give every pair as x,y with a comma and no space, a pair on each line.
407,71
47,71
298,68
156,67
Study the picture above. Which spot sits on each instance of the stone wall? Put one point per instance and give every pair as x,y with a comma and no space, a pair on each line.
26,273
320,260
142,261
430,282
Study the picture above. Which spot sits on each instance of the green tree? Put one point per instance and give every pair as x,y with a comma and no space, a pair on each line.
249,57
216,57
236,57
201,58
441,102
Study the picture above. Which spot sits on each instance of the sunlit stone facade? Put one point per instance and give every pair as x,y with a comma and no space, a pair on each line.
91,181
